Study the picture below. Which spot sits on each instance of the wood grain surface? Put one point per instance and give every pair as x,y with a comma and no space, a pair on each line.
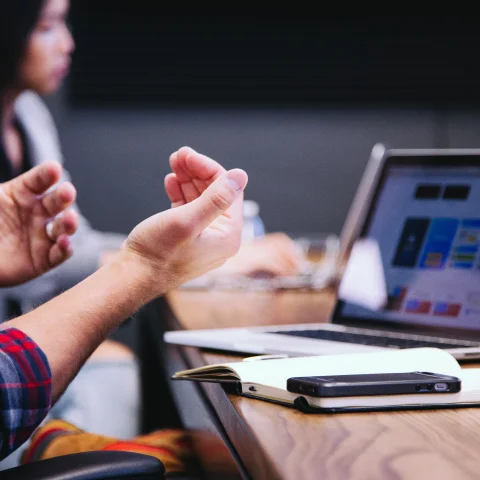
279,442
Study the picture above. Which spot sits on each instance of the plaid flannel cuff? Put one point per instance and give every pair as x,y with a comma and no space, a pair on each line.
25,389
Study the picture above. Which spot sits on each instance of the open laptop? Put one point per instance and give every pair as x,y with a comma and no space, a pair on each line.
422,210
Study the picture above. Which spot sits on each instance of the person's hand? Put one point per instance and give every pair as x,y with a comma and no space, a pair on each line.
274,255
34,237
201,230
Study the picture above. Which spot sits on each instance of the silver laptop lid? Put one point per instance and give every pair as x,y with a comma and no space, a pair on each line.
424,214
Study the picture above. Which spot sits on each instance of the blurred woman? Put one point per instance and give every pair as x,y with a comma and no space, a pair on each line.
35,50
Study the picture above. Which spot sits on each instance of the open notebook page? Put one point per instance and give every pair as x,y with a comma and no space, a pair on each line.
276,372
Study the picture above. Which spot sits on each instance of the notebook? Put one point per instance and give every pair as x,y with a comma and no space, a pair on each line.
266,380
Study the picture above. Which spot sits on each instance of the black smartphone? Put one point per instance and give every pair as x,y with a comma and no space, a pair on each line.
374,384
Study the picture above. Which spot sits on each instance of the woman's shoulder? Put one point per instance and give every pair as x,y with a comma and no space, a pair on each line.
32,112
30,104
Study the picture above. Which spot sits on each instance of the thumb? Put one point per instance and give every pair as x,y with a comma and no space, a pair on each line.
219,197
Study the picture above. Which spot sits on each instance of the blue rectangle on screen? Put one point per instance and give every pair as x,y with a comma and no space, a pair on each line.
439,242
440,308
466,249
410,243
465,265
471,223
412,305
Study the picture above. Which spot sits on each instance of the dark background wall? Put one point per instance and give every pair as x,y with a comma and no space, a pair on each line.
297,101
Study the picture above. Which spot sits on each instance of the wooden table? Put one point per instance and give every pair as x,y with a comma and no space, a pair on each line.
267,441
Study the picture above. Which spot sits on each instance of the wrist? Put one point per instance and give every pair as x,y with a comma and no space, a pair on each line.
143,280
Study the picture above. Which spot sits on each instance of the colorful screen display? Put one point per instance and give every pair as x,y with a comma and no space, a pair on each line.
427,225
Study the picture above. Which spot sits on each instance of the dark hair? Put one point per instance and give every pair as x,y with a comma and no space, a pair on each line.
17,20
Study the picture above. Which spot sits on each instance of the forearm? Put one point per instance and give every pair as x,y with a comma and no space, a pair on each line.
71,326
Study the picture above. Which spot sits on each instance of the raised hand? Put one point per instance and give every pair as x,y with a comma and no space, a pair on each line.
35,224
191,174
203,229
275,254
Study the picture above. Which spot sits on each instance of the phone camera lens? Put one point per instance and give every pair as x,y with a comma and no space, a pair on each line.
430,386
418,387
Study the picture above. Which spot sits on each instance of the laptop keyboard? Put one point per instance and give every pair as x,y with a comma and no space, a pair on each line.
377,340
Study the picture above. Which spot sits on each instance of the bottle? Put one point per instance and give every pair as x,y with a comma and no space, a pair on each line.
253,225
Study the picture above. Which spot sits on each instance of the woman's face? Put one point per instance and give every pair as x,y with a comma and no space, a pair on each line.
47,57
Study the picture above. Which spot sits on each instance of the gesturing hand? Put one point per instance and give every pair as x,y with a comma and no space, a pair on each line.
202,230
28,247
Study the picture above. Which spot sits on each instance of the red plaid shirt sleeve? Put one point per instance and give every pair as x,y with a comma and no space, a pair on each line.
25,389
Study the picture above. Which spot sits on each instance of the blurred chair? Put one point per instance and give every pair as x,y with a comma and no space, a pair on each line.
95,465
91,466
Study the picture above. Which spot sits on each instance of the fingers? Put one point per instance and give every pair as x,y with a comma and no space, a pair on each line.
59,231
66,224
285,248
59,199
219,198
174,190
200,184
190,191
176,193
60,251
287,267
194,172
188,164
34,182
185,178
40,178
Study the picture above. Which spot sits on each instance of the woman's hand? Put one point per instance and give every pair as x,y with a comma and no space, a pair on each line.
274,255
35,224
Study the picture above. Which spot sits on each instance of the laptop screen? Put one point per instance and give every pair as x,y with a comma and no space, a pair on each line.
426,222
